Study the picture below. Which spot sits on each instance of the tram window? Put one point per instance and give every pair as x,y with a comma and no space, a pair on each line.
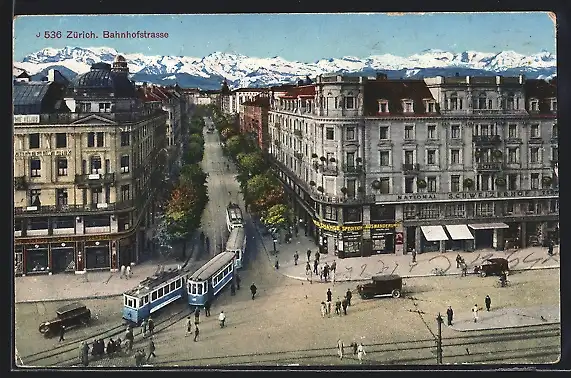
199,289
161,292
125,301
179,283
129,302
136,304
145,299
194,288
154,296
205,287
173,286
167,290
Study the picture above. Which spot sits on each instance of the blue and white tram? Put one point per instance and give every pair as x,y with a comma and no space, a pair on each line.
153,294
234,216
209,279
236,244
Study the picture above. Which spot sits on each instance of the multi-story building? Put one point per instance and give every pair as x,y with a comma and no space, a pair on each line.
86,170
391,166
254,120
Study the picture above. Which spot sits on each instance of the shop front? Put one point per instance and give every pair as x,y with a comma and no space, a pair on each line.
461,238
512,236
63,257
552,232
126,250
97,255
383,240
327,241
350,245
489,235
18,260
433,239
37,258
534,234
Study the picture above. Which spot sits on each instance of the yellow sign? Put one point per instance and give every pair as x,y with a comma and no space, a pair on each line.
330,227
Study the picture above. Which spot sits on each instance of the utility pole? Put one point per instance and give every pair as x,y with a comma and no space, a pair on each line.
439,320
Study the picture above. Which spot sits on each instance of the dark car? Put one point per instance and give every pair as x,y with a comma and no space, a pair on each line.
71,315
381,286
492,267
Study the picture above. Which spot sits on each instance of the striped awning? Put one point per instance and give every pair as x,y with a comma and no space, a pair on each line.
459,232
434,233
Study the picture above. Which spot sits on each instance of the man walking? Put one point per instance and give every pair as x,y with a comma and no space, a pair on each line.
344,305
130,338
144,325
329,295
207,308
295,257
237,285
348,295
122,271
151,349
550,248
475,313
326,271
340,348
338,306
323,309
253,290
128,272
361,352
307,268
308,255
488,301
449,315
317,256
196,332
315,265
151,326
197,316
333,267
84,353
188,326
61,333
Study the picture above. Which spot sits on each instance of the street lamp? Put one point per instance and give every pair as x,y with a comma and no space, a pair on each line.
275,241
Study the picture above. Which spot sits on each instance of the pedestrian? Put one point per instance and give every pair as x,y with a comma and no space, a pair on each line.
277,264
488,301
458,260
84,353
449,315
355,347
253,290
475,313
295,257
361,352
144,325
307,268
413,256
333,277
464,269
197,316
321,273
344,305
122,271
308,255
329,295
317,256
323,309
329,309
128,272
315,265
550,248
338,306
151,349
61,333
207,308
151,326
340,348
333,267
237,283
196,333
348,295
188,326
130,339
326,271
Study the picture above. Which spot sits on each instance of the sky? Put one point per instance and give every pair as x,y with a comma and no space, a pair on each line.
296,37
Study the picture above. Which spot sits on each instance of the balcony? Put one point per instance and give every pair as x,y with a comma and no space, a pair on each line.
328,170
51,209
494,166
487,140
94,179
297,133
352,169
298,155
411,169
20,183
66,118
360,198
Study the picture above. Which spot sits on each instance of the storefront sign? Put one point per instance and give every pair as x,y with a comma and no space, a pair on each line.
477,195
330,227
26,118
42,153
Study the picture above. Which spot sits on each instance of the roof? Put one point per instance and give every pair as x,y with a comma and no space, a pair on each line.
103,78
388,277
541,90
211,267
70,307
394,91
28,97
251,90
263,102
236,239
150,283
304,91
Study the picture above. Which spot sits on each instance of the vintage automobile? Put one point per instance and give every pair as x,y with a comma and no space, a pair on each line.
70,316
381,286
494,266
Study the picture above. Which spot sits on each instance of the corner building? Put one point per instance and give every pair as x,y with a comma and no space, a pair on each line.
391,166
86,172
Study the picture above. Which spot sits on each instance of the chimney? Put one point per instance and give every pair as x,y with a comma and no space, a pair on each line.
467,79
521,79
498,79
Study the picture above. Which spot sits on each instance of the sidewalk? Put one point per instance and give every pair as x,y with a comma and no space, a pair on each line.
363,268
508,317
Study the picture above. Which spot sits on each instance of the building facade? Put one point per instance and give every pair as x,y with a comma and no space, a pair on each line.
391,166
254,120
86,178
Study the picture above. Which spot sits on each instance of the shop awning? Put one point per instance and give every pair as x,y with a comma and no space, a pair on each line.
434,233
488,226
459,232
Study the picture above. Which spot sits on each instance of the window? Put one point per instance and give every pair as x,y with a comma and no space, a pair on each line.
84,107
431,157
554,105
455,132
95,164
512,131
534,105
125,138
510,103
484,181
330,213
485,209
455,210
125,164
61,166
385,184
384,132
407,106
481,101
409,185
555,132
455,183
349,102
90,139
431,181
153,296
512,181
35,197
555,153
535,181
512,156
351,188
431,132
454,102
409,157
534,131
352,214
350,159
385,158
429,211
350,133
35,167
430,107
161,292
125,192
490,104
61,140
534,155
409,211
383,106
329,133
409,132
97,195
104,107
454,157
100,139
34,140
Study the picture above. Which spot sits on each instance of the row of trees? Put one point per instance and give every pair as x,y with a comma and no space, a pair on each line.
188,196
263,193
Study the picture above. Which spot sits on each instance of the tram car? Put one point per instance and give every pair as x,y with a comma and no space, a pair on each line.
204,284
236,244
154,293
234,216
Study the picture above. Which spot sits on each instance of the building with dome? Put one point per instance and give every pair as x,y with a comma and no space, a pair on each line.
88,165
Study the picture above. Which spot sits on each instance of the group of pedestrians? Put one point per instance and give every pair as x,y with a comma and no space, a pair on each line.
126,271
358,350
324,271
196,321
475,311
340,305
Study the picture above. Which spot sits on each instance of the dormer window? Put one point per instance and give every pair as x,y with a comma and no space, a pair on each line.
534,105
349,102
455,102
430,106
482,101
553,104
407,106
383,106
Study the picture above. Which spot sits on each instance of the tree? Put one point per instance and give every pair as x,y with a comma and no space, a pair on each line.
252,163
270,198
260,185
179,217
192,174
234,145
279,216
196,138
227,133
195,153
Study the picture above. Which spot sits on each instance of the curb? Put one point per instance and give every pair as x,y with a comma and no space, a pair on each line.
495,327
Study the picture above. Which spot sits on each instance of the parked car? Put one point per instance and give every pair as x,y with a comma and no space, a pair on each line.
494,266
381,286
70,316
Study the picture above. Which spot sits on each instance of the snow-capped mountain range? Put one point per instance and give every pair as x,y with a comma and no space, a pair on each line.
244,71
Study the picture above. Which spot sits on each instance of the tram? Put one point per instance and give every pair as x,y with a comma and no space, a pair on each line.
236,244
234,216
154,293
204,284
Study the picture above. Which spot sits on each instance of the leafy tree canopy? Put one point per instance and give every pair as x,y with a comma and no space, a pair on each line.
279,216
253,162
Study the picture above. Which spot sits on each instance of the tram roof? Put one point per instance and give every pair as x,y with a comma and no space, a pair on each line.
215,264
236,238
150,283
